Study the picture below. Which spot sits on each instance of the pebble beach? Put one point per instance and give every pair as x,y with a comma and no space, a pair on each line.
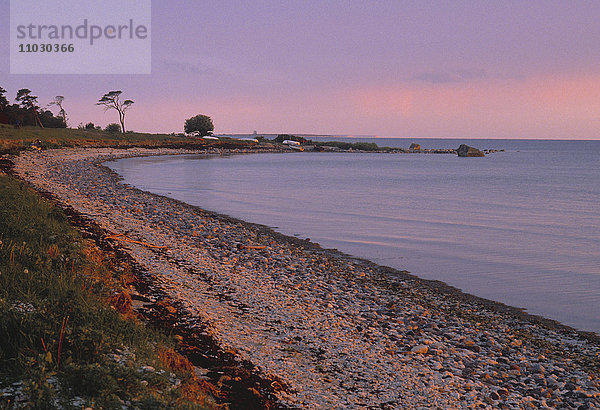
339,332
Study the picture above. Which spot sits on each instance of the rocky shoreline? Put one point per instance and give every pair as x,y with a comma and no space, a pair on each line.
328,330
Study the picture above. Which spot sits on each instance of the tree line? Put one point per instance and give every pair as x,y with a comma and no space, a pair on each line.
26,111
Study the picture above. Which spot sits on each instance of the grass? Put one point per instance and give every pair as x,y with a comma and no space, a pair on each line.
62,343
13,139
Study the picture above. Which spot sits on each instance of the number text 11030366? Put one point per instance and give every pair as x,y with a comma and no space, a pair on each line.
46,48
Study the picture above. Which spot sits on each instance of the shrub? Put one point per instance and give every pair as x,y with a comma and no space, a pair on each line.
365,146
89,126
283,137
113,128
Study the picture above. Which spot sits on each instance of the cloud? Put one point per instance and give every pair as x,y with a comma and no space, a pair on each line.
452,76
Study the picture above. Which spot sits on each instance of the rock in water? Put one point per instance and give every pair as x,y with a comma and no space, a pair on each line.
466,151
415,147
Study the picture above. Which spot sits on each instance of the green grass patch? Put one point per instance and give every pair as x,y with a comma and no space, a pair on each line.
16,139
61,343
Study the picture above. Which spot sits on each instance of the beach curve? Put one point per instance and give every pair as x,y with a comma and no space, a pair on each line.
338,331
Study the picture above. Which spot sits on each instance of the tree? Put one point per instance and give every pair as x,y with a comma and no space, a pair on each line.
50,121
58,100
29,102
202,124
111,101
3,100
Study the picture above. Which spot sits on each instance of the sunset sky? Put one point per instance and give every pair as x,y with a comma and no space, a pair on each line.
469,69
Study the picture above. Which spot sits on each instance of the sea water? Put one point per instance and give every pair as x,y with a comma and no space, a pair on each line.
521,227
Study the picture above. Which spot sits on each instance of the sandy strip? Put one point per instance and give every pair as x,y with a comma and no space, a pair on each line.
340,332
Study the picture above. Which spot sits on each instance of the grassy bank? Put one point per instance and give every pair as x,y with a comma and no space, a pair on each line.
68,337
13,140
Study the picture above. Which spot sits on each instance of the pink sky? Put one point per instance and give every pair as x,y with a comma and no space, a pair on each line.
465,69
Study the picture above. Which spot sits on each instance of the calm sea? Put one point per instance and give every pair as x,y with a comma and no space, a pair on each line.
521,227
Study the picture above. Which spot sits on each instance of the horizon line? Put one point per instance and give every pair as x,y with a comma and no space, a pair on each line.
371,136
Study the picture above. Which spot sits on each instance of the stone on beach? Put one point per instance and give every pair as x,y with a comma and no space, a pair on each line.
421,349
